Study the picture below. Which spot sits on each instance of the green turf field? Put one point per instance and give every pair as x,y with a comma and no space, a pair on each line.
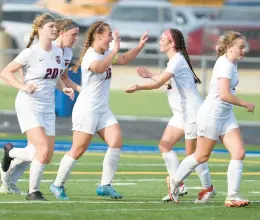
140,178
152,103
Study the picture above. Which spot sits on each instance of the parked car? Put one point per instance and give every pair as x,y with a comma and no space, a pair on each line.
132,18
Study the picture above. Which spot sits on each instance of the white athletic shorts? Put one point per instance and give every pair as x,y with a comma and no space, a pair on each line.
91,122
212,128
32,119
190,129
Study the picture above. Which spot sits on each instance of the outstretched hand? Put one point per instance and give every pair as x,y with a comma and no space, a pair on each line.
143,72
133,89
143,39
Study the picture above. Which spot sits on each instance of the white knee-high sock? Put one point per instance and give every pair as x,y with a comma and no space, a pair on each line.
36,171
19,167
26,154
203,172
186,167
66,165
171,161
234,175
110,165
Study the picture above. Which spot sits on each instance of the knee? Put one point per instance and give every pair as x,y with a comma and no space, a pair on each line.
202,158
76,151
238,155
115,144
164,146
44,155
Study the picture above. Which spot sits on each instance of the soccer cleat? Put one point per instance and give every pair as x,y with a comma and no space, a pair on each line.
59,192
107,190
6,161
236,201
183,190
12,189
35,196
205,195
173,191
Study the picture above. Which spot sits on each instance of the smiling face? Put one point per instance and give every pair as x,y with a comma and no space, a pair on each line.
165,43
237,49
104,37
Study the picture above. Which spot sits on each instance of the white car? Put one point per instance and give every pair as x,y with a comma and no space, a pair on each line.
132,18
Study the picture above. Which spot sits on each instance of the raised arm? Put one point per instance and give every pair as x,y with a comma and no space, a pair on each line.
132,54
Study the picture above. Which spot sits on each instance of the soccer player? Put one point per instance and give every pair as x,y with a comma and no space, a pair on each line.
216,120
185,101
91,112
42,65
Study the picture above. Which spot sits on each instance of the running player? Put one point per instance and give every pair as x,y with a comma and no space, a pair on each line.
91,112
216,120
185,101
41,64
67,31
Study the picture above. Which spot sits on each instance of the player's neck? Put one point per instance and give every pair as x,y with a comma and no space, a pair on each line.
171,53
59,43
45,44
98,49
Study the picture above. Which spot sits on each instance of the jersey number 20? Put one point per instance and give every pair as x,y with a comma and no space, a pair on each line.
51,73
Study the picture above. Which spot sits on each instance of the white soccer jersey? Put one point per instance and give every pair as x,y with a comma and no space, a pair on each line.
43,69
226,69
94,95
66,58
184,97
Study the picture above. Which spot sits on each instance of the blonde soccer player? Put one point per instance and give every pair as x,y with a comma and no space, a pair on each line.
42,65
185,101
91,113
216,120
67,32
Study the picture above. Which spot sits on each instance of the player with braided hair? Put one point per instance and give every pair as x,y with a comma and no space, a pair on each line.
91,113
185,101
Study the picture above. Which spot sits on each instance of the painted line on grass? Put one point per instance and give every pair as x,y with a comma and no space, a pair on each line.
64,146
143,173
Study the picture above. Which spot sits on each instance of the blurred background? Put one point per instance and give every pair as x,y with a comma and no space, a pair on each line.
201,21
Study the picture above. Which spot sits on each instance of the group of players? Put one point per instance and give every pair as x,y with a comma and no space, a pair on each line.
44,67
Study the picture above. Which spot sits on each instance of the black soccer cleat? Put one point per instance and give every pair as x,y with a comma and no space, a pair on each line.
35,196
6,161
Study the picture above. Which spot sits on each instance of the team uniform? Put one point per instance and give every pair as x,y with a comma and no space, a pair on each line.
36,110
91,111
184,98
216,117
43,69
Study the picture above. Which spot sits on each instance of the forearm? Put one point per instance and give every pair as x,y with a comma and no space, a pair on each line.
104,64
70,84
10,79
149,86
228,97
60,85
131,54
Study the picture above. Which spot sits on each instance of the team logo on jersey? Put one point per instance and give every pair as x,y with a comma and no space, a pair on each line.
58,59
67,62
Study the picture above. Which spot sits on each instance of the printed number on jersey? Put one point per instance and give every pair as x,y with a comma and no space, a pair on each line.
109,73
52,73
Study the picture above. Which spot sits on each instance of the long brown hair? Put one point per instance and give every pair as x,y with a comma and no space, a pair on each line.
38,22
227,40
97,27
65,25
180,46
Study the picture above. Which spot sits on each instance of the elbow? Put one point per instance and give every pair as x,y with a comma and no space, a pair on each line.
223,96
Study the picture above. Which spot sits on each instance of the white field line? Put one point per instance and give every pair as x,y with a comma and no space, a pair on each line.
111,202
131,180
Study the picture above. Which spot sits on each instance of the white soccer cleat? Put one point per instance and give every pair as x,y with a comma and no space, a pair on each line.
205,195
236,201
173,192
183,190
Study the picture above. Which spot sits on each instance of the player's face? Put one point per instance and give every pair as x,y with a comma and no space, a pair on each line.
106,38
165,44
69,37
238,49
48,31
